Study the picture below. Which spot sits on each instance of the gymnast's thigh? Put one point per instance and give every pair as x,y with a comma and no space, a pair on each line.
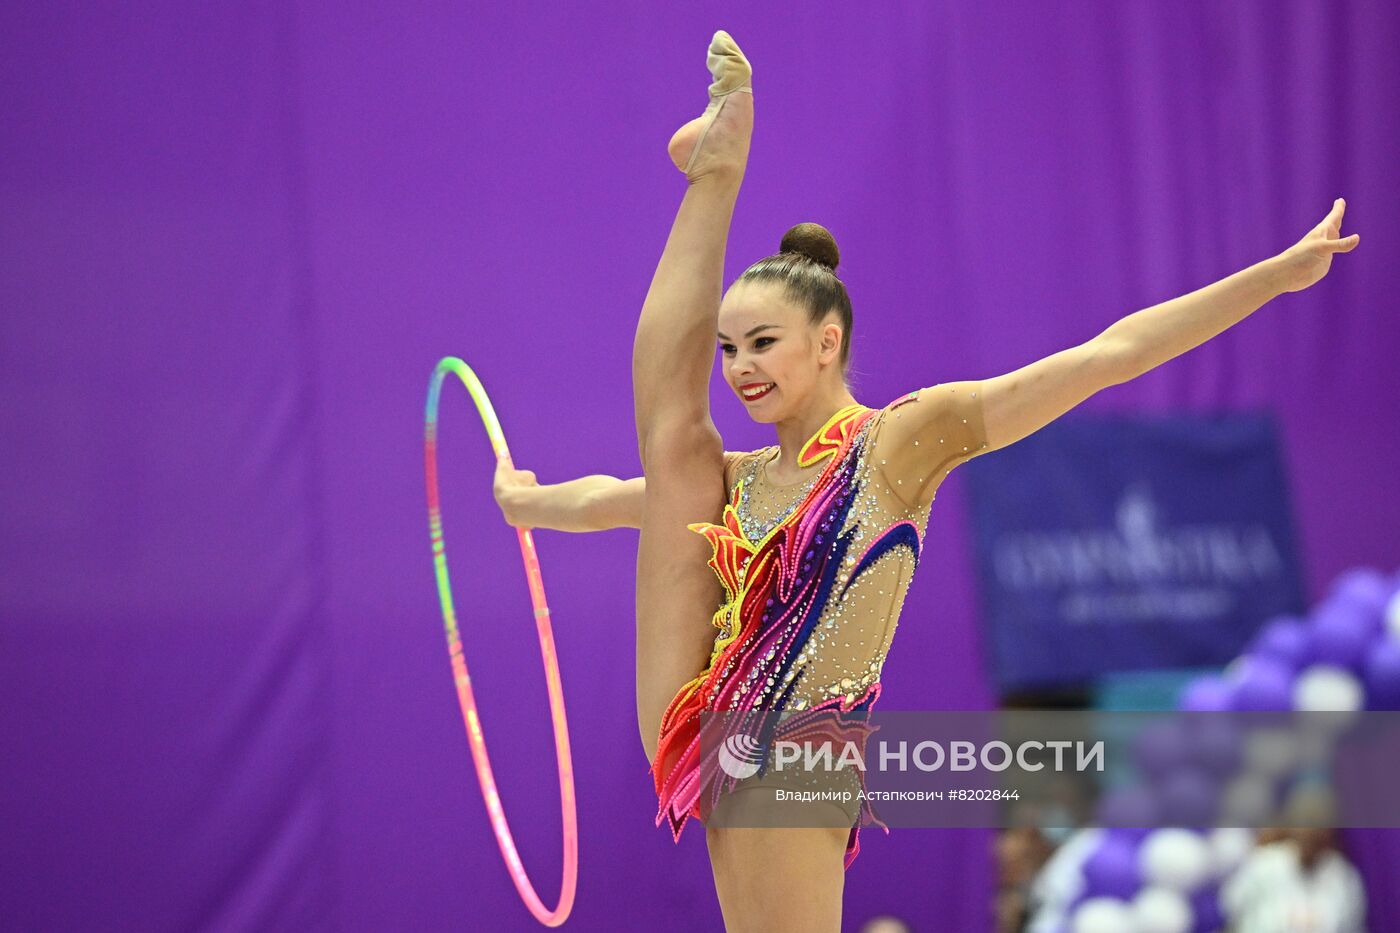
677,591
674,580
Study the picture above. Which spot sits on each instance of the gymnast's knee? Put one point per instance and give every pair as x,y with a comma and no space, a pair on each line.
679,445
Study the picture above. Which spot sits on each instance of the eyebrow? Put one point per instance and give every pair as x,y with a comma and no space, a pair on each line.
752,332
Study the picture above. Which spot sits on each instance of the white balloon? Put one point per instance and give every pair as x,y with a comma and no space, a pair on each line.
1061,880
1326,688
1046,921
1161,910
1174,858
1392,615
1270,751
1228,848
1102,915
1248,801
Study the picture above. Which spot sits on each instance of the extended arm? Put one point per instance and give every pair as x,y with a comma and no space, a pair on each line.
952,422
1025,400
589,503
1021,402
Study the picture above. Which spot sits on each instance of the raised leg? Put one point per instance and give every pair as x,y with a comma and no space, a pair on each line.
682,456
767,879
681,452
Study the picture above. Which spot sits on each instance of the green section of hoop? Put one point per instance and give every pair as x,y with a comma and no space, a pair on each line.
462,679
452,364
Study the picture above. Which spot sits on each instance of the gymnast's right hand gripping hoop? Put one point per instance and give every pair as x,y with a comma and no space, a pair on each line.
465,699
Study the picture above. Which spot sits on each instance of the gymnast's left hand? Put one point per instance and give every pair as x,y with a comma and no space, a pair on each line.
1307,261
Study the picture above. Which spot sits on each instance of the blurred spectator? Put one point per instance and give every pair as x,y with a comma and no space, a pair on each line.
1020,853
1299,883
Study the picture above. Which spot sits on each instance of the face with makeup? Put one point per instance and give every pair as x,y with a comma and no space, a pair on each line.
773,358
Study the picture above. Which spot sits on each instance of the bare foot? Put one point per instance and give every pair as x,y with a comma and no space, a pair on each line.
717,141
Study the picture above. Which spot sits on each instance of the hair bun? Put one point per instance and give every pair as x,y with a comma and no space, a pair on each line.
813,241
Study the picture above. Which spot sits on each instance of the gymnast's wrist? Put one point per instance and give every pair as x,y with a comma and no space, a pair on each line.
1274,273
517,503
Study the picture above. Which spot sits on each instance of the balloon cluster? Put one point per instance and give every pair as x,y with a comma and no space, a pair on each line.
1343,658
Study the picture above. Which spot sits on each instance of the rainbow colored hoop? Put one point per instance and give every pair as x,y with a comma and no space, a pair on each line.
543,914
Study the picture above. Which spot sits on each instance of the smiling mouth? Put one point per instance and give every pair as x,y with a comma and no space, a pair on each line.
758,393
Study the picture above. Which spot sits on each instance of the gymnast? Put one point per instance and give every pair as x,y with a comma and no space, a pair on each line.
773,579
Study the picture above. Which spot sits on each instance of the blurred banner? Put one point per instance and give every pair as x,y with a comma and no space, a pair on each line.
1112,544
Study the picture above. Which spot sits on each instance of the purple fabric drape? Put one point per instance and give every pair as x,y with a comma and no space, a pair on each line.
236,238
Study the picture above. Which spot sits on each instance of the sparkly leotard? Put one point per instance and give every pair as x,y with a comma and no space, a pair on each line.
814,577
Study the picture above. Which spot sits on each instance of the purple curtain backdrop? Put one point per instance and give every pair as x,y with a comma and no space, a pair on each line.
236,238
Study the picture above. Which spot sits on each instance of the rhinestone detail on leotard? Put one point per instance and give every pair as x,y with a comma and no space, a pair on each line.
814,578
755,527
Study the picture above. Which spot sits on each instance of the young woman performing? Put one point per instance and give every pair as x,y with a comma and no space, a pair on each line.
774,579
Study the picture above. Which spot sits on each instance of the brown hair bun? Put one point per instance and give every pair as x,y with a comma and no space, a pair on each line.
813,241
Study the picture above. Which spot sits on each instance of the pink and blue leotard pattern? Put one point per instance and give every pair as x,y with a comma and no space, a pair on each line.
775,591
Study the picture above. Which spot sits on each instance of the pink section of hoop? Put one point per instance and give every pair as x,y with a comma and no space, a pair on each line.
467,701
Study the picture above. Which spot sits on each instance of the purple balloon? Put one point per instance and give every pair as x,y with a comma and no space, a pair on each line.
1285,639
1364,587
1127,807
1341,633
1381,675
1161,745
1208,694
1130,835
1217,743
1205,910
1112,870
1134,834
1265,685
1188,797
